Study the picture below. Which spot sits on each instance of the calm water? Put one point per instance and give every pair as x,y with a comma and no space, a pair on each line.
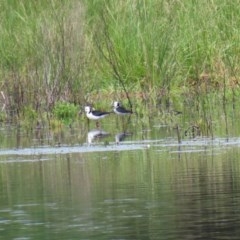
56,186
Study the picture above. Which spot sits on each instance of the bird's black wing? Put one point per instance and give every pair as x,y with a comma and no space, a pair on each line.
123,110
99,113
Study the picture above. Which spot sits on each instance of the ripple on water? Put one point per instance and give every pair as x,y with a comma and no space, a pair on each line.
170,145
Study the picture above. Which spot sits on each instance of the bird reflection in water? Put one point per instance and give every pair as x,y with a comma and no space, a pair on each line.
96,134
121,137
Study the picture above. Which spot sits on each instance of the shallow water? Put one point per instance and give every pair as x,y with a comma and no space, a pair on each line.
148,186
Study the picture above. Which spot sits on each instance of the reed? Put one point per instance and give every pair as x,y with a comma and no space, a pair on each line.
168,53
174,53
42,54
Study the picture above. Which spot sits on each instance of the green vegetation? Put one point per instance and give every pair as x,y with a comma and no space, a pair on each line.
65,112
167,44
42,54
155,51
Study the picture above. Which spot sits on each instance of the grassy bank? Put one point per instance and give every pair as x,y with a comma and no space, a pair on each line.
167,44
152,51
43,54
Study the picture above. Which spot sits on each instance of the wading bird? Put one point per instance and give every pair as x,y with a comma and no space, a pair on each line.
95,114
118,109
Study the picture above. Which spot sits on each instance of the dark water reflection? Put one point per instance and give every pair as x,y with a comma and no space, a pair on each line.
161,192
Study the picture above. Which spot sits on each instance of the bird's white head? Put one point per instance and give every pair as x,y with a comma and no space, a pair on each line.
88,109
116,104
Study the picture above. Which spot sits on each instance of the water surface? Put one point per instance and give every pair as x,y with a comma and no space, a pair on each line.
149,186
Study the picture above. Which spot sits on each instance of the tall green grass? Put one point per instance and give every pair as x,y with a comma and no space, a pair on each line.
166,44
43,53
173,52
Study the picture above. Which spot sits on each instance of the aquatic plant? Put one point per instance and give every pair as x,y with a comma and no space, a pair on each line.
172,54
66,112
